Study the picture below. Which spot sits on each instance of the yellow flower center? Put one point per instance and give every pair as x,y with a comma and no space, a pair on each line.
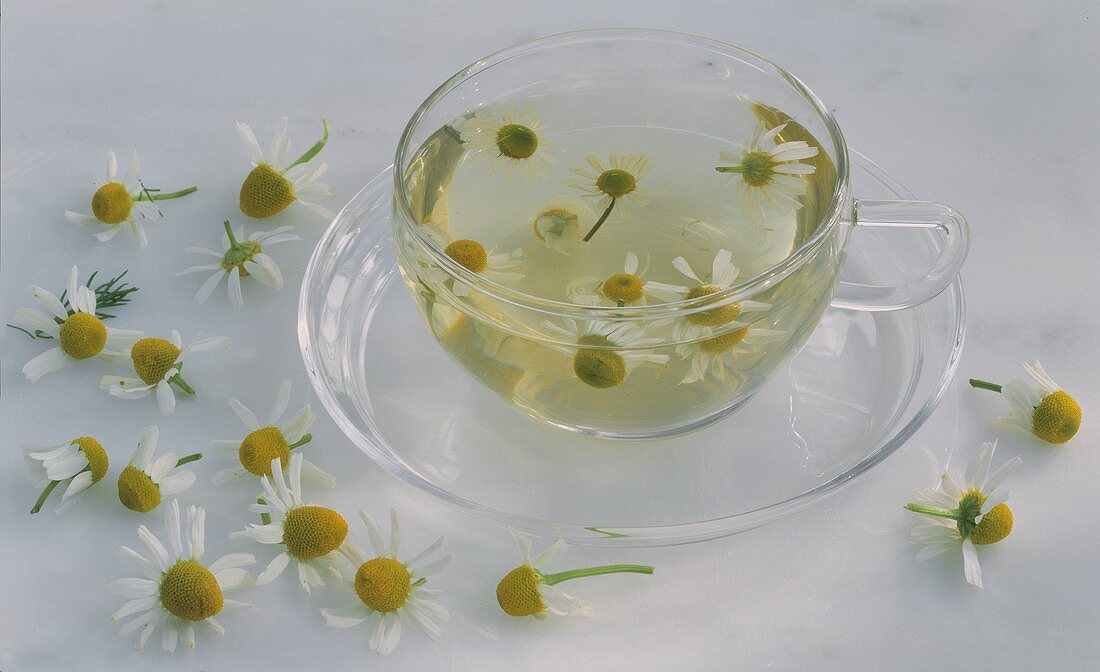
312,531
83,335
715,317
996,523
616,182
96,456
516,141
598,367
383,584
188,590
111,203
152,358
757,168
552,223
623,287
1057,418
262,446
518,592
726,341
137,491
266,192
468,253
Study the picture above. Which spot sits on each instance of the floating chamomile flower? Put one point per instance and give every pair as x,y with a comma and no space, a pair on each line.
81,463
622,289
79,331
158,364
608,352
391,592
500,267
265,443
558,226
309,533
144,481
242,258
273,184
618,181
115,203
771,177
968,515
1042,408
527,591
177,592
508,140
709,356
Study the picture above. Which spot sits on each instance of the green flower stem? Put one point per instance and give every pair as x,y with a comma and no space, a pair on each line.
188,458
601,220
312,151
953,514
302,441
229,232
42,498
147,195
551,579
984,385
264,518
181,383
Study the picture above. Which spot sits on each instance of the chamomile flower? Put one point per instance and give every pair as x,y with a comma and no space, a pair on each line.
263,444
769,177
1041,407
275,182
499,267
605,353
614,182
391,592
528,591
968,515
80,464
115,202
508,140
79,331
712,356
144,481
309,533
176,592
621,289
242,258
558,225
158,364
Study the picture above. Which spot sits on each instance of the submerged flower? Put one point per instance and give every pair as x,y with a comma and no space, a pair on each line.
263,444
115,203
309,533
81,463
621,289
176,591
391,592
617,181
79,331
709,356
769,178
558,225
275,182
499,267
968,515
607,352
144,481
527,591
1042,408
508,140
242,258
158,364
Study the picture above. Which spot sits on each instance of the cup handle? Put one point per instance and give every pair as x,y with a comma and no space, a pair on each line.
955,240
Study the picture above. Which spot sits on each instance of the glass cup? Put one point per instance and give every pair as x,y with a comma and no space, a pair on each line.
631,370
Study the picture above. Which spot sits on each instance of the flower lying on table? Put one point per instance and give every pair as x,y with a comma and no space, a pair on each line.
1042,408
81,463
144,481
275,182
243,257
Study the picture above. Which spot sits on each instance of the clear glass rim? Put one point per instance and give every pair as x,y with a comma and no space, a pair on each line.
549,307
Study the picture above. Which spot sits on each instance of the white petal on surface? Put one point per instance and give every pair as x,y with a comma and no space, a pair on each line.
157,552
50,361
282,400
223,476
166,398
245,414
131,588
50,302
80,219
235,577
209,285
251,145
177,482
414,562
265,270
345,617
235,296
209,344
557,548
316,475
971,568
125,388
978,467
374,534
308,576
395,533
137,605
1003,472
231,561
36,321
143,565
297,426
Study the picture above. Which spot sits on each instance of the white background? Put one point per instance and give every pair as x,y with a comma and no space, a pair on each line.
988,106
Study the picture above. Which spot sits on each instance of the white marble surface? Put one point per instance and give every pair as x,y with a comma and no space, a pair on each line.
988,106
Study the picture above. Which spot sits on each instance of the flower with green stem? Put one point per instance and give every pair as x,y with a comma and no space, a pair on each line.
604,352
769,177
78,464
242,258
507,139
1042,408
144,481
969,515
558,225
263,443
391,592
159,365
275,182
528,591
628,288
617,181
110,294
116,202
77,327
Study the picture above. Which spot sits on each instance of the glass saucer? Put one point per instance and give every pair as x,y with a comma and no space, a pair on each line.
859,388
